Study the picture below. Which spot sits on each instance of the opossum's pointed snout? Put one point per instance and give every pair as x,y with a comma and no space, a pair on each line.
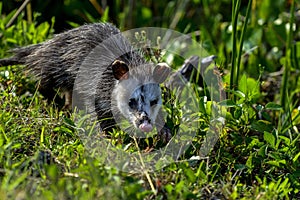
145,123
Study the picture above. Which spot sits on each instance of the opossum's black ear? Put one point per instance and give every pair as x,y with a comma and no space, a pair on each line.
161,72
120,70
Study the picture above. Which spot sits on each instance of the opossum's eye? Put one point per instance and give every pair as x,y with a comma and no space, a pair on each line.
132,103
153,102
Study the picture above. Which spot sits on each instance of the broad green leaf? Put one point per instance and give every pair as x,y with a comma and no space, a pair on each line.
249,87
262,126
296,157
179,186
249,163
243,84
262,151
43,30
239,93
227,103
190,175
273,106
269,138
285,139
169,188
276,162
105,17
11,40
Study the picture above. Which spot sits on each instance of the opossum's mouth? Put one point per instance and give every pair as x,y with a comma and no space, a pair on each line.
143,122
145,126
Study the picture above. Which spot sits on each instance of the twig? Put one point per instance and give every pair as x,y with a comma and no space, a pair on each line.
144,168
97,6
11,21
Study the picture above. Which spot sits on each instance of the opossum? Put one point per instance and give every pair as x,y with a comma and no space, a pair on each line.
113,77
125,83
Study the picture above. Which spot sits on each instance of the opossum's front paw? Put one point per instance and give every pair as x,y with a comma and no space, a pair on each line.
165,135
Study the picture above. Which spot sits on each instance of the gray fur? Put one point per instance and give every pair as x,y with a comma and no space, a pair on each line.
50,61
81,60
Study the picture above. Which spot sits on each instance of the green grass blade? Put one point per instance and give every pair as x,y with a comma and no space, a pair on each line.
284,86
239,56
235,13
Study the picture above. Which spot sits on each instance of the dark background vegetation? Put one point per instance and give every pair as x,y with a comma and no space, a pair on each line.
257,155
266,31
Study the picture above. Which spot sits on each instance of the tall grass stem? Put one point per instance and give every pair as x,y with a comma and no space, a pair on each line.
235,12
284,86
240,51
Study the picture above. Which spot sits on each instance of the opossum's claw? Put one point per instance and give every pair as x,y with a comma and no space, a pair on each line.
165,134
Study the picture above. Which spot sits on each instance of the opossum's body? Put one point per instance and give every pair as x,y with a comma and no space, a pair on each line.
119,79
56,61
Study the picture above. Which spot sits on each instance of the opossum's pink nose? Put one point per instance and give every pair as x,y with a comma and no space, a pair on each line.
145,126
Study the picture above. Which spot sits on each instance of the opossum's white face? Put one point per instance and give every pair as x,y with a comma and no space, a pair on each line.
143,106
137,95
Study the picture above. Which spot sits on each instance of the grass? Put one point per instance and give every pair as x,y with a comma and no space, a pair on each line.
256,157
